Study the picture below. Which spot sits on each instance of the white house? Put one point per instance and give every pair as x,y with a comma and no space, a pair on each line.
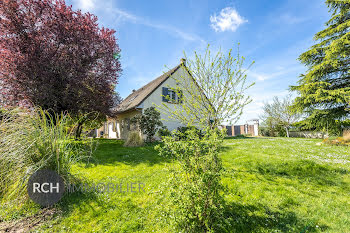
152,94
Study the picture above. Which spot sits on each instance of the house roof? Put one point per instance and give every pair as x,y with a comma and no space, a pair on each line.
138,96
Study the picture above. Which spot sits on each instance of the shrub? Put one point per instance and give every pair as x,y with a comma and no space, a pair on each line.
196,203
134,139
264,131
163,132
149,122
346,135
35,140
337,142
183,130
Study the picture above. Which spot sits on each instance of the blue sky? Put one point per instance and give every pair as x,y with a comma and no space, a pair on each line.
154,34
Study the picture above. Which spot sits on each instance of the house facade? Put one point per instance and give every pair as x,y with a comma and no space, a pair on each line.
150,95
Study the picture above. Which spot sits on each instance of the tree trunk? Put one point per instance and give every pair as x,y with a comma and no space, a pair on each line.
287,132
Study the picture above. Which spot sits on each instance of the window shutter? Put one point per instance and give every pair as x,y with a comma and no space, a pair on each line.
180,97
165,94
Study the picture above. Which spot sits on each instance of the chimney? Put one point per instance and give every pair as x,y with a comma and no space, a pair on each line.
183,61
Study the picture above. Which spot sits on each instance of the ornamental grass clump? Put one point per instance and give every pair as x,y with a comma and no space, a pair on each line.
34,140
134,139
195,187
346,135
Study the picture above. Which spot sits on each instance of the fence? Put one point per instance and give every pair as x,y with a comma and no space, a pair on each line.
308,134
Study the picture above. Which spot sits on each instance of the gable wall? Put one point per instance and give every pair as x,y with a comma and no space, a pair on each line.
155,99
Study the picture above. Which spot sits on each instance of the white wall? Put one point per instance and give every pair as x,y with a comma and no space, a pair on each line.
155,99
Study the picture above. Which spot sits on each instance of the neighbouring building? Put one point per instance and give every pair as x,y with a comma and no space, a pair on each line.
250,128
152,94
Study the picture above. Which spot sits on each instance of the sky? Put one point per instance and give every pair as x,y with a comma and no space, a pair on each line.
154,35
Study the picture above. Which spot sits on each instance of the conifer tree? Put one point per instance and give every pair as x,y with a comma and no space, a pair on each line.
325,88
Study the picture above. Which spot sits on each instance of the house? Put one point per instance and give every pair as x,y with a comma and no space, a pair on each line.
151,94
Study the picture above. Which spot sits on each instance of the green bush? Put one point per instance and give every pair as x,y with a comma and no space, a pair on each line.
134,139
149,122
34,140
196,203
264,131
163,132
182,131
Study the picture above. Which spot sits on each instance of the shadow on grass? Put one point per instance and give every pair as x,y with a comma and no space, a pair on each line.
71,201
92,205
250,218
110,152
77,196
303,170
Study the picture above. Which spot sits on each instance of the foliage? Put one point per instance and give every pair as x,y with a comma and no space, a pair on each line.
329,125
214,92
279,114
336,142
183,129
340,141
264,131
325,88
149,122
56,58
270,129
35,140
134,139
163,131
196,188
117,99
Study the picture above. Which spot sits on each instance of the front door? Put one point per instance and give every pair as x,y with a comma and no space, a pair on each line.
111,133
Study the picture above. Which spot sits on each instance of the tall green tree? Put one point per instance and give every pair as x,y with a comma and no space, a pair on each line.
325,88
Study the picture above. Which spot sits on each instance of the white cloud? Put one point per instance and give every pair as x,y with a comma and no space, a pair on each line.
281,71
122,15
227,20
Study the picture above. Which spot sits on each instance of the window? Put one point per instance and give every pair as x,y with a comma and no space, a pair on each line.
127,123
172,96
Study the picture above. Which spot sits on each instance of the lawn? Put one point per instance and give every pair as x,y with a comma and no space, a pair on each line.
273,185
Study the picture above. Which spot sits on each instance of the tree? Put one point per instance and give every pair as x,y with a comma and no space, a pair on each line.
56,58
149,122
279,113
195,188
117,99
214,94
325,88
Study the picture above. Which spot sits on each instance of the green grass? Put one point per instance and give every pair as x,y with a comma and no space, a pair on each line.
273,185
